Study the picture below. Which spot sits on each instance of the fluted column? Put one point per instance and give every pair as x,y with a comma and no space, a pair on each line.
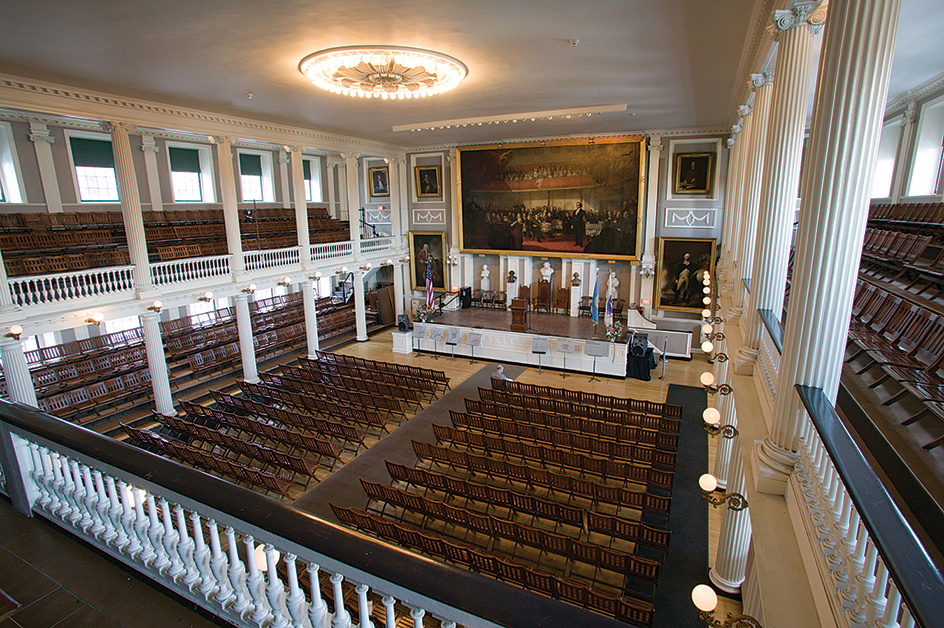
737,195
734,538
333,209
311,317
397,187
234,243
15,370
398,287
247,351
42,143
342,189
131,205
753,175
149,148
283,180
353,201
301,205
847,115
157,363
789,101
652,211
726,407
727,226
360,308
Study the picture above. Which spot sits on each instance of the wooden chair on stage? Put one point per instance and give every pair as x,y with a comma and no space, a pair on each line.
586,306
477,298
543,300
524,292
562,301
500,301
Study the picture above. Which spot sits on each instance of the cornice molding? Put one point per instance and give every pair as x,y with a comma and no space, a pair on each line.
41,97
762,17
902,101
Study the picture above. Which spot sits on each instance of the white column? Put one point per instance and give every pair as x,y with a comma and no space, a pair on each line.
726,407
283,180
332,169
16,371
754,172
452,198
652,213
131,205
788,106
342,190
737,195
353,202
847,116
42,143
149,148
397,188
398,287
234,243
360,309
727,229
247,351
311,317
734,538
301,205
157,363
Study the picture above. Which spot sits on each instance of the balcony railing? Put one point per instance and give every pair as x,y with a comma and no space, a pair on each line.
376,245
331,250
270,258
189,269
199,536
78,284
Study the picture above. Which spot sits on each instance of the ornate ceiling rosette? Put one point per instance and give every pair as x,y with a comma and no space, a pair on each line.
389,72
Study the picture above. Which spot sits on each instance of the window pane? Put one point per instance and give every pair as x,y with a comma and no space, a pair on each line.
184,159
885,161
926,170
96,184
91,153
309,192
252,187
250,164
187,187
3,198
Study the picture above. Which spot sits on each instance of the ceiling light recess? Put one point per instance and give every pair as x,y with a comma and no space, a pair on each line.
388,72
532,116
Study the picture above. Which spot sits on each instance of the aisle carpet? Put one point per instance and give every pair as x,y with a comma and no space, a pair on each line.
686,563
343,488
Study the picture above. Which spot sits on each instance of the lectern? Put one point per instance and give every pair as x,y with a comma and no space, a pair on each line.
519,315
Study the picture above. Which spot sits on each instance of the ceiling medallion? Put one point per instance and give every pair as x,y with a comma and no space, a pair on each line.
389,72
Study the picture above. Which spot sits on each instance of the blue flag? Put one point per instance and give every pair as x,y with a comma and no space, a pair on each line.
595,306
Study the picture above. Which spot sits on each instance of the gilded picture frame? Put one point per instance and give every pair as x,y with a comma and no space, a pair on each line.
379,178
693,173
428,246
428,181
680,287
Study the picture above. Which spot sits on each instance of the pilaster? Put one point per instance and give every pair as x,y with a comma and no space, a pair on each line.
301,205
234,243
42,144
283,179
737,198
150,150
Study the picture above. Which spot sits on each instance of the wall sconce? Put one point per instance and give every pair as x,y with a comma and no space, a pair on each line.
251,289
341,271
366,267
709,319
452,260
156,307
96,319
404,259
15,332
709,483
206,297
389,262
719,357
316,276
706,600
712,417
285,282
706,301
708,379
646,271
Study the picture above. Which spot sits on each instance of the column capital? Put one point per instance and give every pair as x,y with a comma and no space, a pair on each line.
736,128
148,145
220,139
761,80
744,110
655,143
127,127
149,316
40,134
283,157
730,142
810,14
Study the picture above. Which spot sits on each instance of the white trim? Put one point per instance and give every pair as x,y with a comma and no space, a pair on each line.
89,135
207,180
10,174
716,166
268,188
316,183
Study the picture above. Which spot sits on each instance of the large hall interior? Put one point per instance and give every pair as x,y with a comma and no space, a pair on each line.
436,314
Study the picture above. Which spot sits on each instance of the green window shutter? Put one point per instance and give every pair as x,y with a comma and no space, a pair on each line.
184,159
306,166
250,164
91,153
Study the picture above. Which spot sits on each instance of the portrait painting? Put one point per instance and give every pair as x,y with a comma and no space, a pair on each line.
568,198
682,265
379,181
693,173
428,181
428,247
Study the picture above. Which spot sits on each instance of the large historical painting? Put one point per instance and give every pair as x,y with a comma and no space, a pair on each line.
428,246
683,263
568,198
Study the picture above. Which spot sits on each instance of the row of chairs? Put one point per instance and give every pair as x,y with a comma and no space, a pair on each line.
81,349
490,299
314,405
920,213
327,428
58,378
401,369
293,377
56,264
78,403
639,612
318,368
205,460
591,399
624,449
257,428
404,394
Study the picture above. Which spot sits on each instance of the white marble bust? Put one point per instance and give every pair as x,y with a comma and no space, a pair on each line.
547,272
485,278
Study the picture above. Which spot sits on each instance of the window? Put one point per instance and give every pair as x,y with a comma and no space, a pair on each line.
191,173
3,198
312,168
94,166
255,176
11,190
885,160
120,324
926,169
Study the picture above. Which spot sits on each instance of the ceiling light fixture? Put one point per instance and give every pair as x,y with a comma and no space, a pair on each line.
388,72
533,116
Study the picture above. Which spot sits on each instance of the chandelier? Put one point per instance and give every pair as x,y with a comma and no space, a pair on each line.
389,72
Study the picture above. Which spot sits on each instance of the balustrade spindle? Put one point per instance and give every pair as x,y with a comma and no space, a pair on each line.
155,533
275,590
37,475
71,513
892,606
363,607
318,611
262,613
865,581
877,600
129,519
295,602
59,486
447,624
390,619
80,518
417,615
99,504
185,549
48,481
141,526
225,594
341,619
169,541
907,621
237,577
120,539
201,557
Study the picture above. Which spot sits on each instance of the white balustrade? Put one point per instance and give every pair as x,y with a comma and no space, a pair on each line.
70,286
331,250
270,258
189,269
376,245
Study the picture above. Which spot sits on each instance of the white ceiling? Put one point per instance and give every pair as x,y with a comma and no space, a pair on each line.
674,63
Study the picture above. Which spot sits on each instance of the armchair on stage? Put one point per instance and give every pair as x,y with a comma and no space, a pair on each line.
544,300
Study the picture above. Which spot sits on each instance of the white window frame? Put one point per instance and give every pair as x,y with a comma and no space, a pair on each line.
938,105
89,135
316,185
899,123
120,324
10,175
207,187
268,188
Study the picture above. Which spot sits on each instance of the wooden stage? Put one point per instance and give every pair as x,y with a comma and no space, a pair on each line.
542,323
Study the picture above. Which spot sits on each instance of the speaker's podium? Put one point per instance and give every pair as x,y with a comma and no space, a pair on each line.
519,315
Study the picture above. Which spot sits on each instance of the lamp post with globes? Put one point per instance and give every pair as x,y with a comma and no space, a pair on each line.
706,600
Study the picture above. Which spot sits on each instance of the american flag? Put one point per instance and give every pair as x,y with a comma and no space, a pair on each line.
429,283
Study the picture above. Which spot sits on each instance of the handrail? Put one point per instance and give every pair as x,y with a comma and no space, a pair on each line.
367,225
912,568
464,597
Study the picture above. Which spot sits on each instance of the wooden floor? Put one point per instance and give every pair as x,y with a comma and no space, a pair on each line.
542,323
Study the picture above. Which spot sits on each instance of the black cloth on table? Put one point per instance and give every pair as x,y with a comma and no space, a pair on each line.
640,367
